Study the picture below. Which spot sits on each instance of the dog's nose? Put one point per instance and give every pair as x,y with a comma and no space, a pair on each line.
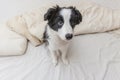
69,36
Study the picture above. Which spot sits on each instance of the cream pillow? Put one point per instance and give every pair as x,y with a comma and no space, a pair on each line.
95,19
11,43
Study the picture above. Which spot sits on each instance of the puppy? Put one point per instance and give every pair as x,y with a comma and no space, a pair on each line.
59,30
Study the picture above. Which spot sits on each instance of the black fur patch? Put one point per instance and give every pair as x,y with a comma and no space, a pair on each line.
45,36
76,17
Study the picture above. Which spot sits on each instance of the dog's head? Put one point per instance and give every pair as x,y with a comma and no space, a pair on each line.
63,20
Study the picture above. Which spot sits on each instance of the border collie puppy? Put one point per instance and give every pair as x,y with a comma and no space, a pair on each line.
59,30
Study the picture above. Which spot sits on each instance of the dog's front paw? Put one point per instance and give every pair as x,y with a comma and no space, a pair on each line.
55,62
65,61
36,42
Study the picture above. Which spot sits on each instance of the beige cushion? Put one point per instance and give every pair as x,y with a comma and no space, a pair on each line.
11,43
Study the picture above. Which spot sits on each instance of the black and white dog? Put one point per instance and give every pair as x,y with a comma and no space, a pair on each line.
59,30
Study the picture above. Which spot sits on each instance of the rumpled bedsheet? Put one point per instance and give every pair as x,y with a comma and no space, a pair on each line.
91,57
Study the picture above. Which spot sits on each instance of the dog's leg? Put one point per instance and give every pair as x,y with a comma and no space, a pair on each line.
54,57
64,55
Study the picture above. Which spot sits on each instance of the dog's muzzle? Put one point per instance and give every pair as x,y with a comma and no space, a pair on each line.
69,36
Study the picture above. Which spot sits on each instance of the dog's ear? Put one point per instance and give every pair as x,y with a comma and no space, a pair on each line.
78,15
51,12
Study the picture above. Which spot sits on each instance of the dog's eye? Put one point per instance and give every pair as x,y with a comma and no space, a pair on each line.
60,23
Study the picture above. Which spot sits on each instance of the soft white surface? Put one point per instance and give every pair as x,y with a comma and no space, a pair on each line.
95,57
92,57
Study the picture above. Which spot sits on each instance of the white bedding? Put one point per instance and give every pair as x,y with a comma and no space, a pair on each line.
92,57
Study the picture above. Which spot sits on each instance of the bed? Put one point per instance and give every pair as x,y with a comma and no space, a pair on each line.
91,57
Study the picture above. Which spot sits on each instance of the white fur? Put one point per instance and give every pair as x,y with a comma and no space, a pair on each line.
66,27
57,41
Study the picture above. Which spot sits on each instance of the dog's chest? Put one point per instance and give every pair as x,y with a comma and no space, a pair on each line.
56,43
